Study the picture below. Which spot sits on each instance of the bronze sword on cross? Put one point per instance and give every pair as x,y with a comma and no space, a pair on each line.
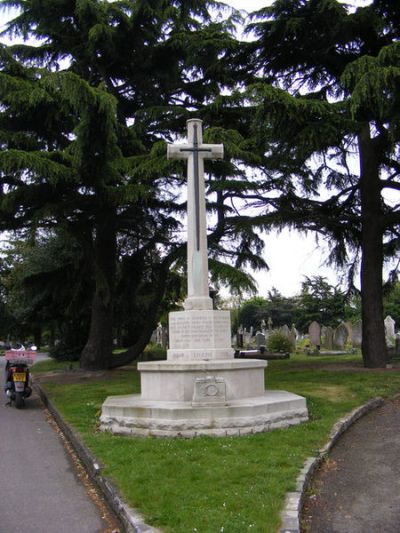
195,149
195,152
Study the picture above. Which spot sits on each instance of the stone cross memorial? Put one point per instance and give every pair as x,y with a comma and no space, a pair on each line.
197,258
201,389
199,332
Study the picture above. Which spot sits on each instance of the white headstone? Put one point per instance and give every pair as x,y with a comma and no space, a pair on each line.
390,326
390,330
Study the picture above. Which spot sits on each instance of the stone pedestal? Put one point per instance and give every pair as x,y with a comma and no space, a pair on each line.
201,389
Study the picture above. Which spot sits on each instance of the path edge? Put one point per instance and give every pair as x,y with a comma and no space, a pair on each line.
291,514
130,518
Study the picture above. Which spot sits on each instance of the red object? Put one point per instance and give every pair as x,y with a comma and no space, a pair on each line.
20,356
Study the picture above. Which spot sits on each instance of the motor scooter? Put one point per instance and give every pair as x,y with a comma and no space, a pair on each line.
18,378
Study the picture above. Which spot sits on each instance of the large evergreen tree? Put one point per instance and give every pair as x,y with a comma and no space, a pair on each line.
329,92
85,115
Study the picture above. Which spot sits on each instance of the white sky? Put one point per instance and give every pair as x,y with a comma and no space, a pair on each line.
290,255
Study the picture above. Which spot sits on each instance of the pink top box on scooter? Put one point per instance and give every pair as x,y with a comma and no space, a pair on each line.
20,357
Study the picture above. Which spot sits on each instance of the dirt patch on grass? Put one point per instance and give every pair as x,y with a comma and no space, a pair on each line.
333,393
344,366
77,375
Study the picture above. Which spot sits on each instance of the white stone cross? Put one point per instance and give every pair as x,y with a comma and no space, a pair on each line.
197,256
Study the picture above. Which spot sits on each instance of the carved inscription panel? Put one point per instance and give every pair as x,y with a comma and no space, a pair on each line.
199,329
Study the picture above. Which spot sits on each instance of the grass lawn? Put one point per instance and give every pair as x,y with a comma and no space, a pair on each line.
210,485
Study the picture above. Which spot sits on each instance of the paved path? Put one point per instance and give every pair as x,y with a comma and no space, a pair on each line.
40,491
357,490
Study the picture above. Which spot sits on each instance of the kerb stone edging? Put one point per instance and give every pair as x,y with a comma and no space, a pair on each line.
131,519
290,515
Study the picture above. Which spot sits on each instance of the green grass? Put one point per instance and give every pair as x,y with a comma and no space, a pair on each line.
51,365
233,484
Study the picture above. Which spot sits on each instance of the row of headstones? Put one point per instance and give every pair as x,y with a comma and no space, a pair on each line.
325,337
336,338
243,337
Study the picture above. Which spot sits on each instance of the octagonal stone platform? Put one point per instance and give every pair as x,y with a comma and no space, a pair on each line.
192,398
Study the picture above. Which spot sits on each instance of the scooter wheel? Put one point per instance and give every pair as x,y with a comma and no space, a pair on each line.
19,400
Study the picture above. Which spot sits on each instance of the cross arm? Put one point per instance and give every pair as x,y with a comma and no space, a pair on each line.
212,151
174,152
206,151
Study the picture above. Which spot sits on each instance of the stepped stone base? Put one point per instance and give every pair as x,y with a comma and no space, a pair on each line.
133,415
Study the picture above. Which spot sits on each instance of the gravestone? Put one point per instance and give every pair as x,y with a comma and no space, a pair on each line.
159,334
164,337
314,331
328,338
340,337
293,334
239,337
323,331
248,336
260,339
356,337
201,389
153,338
390,333
285,330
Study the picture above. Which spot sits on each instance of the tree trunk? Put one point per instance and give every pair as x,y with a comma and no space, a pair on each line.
374,350
97,354
135,351
152,316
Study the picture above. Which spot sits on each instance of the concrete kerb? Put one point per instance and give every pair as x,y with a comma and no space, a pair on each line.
291,514
131,519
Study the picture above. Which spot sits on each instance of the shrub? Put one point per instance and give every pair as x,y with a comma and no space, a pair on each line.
153,352
278,342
